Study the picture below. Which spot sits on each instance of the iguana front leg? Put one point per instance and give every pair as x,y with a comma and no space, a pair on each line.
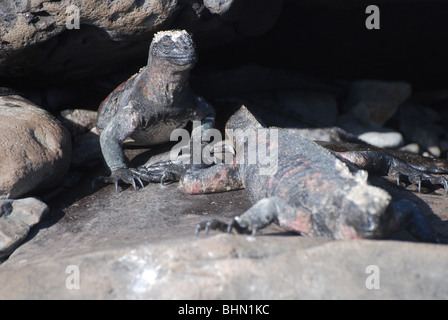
122,126
409,217
406,216
164,171
172,171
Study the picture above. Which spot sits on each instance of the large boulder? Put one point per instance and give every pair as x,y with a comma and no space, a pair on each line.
35,148
374,102
42,36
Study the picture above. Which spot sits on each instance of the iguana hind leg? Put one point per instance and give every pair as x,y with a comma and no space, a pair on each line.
262,214
380,162
399,169
164,171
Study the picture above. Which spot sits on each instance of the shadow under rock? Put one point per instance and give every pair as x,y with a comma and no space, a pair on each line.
427,202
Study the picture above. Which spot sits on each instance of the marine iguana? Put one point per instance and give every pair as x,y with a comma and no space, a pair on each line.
312,192
151,104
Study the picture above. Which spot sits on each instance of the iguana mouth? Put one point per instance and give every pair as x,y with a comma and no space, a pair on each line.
377,229
369,234
184,57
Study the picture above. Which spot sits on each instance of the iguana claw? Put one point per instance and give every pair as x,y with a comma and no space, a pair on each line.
215,224
126,175
211,224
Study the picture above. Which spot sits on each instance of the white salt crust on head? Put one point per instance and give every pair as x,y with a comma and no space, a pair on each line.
174,34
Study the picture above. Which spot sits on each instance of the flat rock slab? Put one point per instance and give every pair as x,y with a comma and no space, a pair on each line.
141,245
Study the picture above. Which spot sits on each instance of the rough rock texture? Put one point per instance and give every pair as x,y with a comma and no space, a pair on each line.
419,124
317,107
78,121
374,102
35,148
143,242
34,35
87,149
229,267
382,137
16,219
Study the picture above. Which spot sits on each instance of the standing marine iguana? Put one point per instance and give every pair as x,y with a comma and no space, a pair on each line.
312,192
151,104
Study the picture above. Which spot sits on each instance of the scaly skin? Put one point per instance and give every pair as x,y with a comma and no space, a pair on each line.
312,192
416,169
151,104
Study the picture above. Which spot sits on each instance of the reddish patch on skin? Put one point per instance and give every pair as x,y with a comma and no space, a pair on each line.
317,182
289,173
347,233
301,224
314,181
119,88
123,84
191,187
215,182
356,158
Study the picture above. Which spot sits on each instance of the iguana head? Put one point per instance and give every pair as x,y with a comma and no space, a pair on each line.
368,210
173,47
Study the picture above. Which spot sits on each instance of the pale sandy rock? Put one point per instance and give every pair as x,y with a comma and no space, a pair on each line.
35,148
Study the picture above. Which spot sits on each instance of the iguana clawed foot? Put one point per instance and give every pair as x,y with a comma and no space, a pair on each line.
255,218
155,173
211,224
417,177
172,171
165,171
126,175
215,224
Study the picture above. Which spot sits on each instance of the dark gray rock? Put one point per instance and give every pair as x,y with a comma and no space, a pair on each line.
378,137
315,107
87,149
16,219
78,121
35,38
419,124
373,102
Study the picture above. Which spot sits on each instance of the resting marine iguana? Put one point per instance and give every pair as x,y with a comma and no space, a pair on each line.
314,191
151,104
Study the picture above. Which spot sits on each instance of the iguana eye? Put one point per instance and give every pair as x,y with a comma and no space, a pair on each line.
166,47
